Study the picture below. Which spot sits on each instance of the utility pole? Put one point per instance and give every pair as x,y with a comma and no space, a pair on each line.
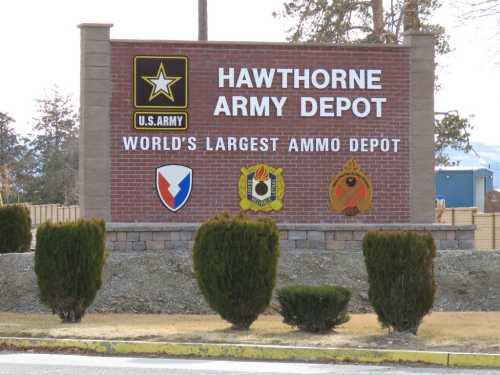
202,20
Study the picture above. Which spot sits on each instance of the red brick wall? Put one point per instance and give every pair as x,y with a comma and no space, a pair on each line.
307,175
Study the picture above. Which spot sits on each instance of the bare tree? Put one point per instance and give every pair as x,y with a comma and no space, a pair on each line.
345,21
411,21
352,21
483,8
378,19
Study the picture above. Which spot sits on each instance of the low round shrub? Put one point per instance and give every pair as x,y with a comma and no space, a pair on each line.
317,309
15,229
400,276
235,260
69,259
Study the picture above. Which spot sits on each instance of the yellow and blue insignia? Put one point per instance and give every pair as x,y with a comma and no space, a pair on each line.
261,188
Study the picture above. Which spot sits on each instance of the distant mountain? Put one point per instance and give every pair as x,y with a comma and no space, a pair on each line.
487,156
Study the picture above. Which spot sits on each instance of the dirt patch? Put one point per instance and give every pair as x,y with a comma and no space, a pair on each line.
464,332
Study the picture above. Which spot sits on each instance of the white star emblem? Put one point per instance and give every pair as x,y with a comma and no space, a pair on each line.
161,84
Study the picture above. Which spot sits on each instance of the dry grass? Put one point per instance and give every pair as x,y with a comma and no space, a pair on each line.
474,331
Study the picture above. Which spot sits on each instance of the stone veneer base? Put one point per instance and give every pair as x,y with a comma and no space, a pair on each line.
177,236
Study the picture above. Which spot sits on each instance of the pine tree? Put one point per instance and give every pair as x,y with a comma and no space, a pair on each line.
55,148
12,151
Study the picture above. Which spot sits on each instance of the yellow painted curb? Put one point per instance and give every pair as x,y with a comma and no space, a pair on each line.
474,360
257,352
232,351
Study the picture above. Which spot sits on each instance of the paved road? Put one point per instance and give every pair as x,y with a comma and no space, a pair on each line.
42,364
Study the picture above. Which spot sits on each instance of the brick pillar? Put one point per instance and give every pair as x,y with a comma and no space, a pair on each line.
422,180
95,101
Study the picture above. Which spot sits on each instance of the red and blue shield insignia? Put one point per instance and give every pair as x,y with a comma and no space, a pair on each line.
173,184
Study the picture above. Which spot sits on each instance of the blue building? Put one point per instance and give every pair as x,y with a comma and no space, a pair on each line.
463,186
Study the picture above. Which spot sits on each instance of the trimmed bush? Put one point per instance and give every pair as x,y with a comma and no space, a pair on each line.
400,276
69,259
316,309
15,229
235,259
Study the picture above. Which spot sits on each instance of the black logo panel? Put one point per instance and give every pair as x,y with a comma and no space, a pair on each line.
160,82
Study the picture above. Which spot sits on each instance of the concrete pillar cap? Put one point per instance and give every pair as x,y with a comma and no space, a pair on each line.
419,33
95,25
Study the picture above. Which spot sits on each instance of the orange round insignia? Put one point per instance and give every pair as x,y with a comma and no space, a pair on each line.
351,190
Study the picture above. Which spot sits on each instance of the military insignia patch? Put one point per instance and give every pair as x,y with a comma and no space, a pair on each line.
351,190
160,82
160,90
261,188
173,185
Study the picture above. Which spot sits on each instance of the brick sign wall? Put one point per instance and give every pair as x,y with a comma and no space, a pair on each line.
316,108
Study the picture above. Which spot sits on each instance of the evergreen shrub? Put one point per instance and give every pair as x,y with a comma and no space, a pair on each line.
317,309
69,259
15,229
235,260
400,276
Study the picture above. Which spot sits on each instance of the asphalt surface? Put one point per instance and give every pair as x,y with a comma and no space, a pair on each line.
40,364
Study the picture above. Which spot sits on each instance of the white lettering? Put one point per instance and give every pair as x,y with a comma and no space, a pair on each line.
129,143
191,143
356,110
298,77
240,103
156,143
321,144
226,77
231,144
144,143
176,143
244,79
314,145
278,104
307,102
222,107
325,79
274,142
374,144
378,105
343,104
259,108
384,145
326,107
284,76
374,79
395,143
353,145
339,77
219,146
263,76
357,79
306,144
208,145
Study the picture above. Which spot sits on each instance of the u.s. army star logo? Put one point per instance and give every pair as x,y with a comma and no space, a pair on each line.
161,82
